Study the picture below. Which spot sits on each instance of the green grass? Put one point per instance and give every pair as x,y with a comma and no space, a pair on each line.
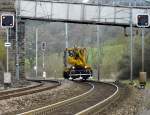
111,53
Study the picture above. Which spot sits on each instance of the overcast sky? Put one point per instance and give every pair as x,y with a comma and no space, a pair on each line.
85,1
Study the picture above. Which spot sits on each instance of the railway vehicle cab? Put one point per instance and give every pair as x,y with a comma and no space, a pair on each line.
75,64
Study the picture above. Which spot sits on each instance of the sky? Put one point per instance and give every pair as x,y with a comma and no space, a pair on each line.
85,1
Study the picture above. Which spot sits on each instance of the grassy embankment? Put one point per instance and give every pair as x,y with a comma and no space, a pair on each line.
110,54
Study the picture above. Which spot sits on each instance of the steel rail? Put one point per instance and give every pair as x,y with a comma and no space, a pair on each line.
20,89
99,107
50,108
28,90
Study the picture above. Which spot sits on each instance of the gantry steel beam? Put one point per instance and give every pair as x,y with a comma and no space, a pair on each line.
80,13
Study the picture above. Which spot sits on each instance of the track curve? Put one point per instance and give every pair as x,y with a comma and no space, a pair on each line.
41,86
99,91
100,106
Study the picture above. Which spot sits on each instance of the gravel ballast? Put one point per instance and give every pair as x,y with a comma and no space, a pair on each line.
145,108
67,90
128,104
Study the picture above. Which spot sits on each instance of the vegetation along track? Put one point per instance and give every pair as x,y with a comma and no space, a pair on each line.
41,86
90,102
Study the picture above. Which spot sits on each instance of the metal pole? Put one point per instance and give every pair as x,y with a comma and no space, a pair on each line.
7,57
143,49
36,51
66,44
35,10
43,61
113,2
98,42
135,3
131,45
66,34
17,44
98,55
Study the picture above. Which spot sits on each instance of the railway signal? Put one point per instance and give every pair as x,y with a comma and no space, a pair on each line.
143,20
43,46
7,21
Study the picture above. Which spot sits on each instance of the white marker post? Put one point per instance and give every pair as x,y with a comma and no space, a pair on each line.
7,74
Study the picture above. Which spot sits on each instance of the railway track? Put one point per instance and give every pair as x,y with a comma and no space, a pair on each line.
41,86
91,102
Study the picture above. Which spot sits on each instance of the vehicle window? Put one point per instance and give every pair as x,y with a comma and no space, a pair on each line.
71,53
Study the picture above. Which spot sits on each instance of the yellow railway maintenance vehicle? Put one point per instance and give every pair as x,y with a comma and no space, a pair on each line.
75,64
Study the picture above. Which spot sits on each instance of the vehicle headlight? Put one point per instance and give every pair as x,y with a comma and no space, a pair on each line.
73,67
85,67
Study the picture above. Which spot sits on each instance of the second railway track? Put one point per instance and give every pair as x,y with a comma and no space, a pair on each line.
86,103
41,86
